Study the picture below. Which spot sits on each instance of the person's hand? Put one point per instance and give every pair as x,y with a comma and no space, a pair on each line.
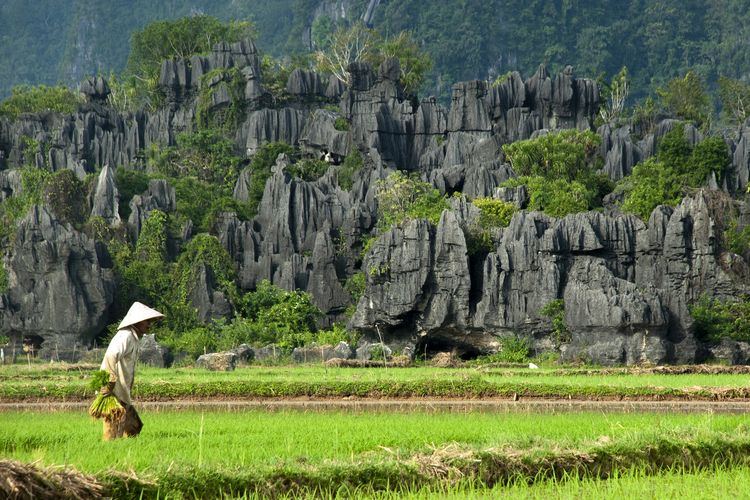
108,389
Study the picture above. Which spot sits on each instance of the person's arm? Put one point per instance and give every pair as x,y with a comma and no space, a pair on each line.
111,359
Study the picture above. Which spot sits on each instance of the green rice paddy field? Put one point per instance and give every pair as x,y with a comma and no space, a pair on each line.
348,451
59,381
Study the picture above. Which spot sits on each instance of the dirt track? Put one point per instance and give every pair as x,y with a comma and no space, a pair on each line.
408,405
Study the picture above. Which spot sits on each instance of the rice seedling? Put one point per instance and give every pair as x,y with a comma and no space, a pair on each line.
20,382
198,454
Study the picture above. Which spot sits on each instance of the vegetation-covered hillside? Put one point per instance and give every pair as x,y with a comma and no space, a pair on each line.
262,199
657,40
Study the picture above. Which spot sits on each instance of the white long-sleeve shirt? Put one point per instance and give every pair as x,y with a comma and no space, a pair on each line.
120,360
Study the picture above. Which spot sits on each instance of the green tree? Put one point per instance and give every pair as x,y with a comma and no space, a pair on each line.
352,164
3,281
652,183
228,117
357,43
206,155
716,320
308,169
413,61
559,171
129,183
401,197
614,96
203,250
273,315
203,169
677,167
686,98
735,99
556,197
555,311
40,99
494,212
176,39
709,156
556,155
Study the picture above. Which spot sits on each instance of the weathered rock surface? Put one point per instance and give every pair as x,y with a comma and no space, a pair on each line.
151,353
106,197
245,353
319,354
159,196
626,285
60,285
217,361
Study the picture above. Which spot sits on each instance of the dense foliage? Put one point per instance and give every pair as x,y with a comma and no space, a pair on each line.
558,168
402,197
176,39
308,169
494,213
737,240
686,98
34,181
716,320
40,99
658,40
555,311
677,167
352,164
65,195
559,171
357,43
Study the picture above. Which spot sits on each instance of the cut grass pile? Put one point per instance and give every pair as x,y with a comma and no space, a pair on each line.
29,481
21,382
253,452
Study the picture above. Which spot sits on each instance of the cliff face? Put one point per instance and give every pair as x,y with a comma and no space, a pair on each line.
626,284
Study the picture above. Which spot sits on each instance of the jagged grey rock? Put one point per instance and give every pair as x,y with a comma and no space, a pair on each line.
612,321
379,351
269,352
245,353
181,79
729,351
106,197
303,82
271,125
619,151
151,353
321,137
241,190
209,302
159,196
95,89
741,160
61,285
10,183
423,292
217,361
318,354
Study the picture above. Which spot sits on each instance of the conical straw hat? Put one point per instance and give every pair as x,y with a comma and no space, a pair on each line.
139,312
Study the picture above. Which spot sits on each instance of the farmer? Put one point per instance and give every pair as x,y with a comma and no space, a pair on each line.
119,361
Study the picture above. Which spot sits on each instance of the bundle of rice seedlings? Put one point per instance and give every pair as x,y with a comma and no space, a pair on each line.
99,379
106,406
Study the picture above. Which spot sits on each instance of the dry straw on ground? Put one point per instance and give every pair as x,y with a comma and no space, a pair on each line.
19,481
